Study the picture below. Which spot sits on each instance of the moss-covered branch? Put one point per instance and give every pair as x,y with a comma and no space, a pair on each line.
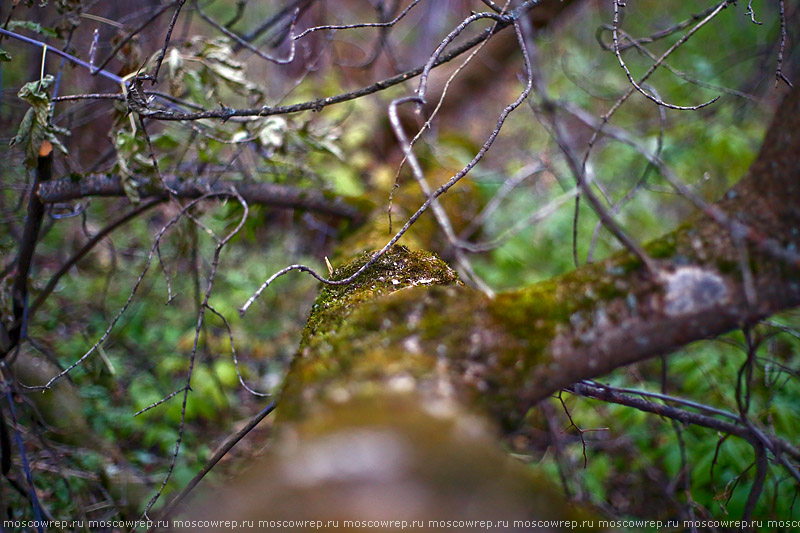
411,318
407,359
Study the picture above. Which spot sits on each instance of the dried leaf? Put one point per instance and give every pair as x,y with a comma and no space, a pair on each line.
36,125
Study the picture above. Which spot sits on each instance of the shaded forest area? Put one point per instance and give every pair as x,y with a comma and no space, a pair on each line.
389,260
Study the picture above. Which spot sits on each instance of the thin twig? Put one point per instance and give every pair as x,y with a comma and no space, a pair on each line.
132,294
585,189
779,75
167,37
121,44
750,434
226,113
229,443
193,355
243,43
234,355
617,9
360,25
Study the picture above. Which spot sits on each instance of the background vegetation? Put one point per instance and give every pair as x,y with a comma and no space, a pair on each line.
623,461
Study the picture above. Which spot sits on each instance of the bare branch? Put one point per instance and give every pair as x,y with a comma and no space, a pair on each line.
617,8
160,59
282,196
431,198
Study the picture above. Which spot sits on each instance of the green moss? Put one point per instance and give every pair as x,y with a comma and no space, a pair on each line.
535,316
531,316
558,299
347,342
398,269
663,248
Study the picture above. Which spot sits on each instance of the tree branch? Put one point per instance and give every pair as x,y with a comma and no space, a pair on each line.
27,246
522,346
270,194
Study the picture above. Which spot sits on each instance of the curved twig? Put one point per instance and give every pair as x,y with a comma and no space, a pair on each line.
245,44
617,8
360,25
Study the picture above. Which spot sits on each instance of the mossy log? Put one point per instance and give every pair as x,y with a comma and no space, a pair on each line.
405,378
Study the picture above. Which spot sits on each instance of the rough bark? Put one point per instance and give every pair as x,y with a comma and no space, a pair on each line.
407,360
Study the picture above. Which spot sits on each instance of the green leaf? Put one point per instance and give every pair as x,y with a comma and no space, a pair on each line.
4,56
217,58
32,26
